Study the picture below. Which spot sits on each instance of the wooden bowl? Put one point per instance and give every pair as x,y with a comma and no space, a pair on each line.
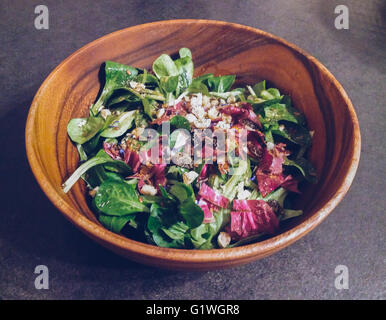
221,48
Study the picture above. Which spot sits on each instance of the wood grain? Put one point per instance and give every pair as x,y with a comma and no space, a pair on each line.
221,48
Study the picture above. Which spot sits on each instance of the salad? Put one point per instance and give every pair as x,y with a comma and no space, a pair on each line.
190,162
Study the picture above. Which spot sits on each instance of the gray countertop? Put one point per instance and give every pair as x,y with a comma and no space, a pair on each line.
33,232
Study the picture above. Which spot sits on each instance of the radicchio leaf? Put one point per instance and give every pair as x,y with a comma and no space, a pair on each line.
213,196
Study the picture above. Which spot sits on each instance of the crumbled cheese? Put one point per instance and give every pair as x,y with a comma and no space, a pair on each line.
133,84
241,193
223,239
105,113
198,111
226,118
202,123
137,132
190,117
214,102
189,177
148,190
222,125
281,127
270,145
213,113
222,101
160,112
137,85
196,100
182,160
205,101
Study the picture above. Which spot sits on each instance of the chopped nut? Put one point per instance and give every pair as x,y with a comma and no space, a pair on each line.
93,192
223,239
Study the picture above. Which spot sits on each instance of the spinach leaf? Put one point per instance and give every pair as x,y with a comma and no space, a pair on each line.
177,232
114,223
293,132
82,130
191,212
180,122
221,84
100,158
288,213
164,66
161,220
119,124
305,167
116,198
258,88
277,112
117,77
182,191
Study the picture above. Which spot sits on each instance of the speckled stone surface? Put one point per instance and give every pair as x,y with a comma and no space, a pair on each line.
33,232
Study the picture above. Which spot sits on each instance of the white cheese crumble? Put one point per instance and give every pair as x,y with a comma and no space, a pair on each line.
202,123
190,117
213,113
148,190
222,125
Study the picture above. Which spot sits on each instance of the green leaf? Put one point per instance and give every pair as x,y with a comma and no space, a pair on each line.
182,191
113,223
169,83
164,66
191,212
118,199
176,231
118,76
81,130
120,124
305,167
293,132
100,158
149,107
180,122
277,112
288,213
221,84
258,88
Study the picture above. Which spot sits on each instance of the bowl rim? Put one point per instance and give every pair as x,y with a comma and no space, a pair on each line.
242,253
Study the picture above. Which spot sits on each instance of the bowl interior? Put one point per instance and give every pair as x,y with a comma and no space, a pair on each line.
217,47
